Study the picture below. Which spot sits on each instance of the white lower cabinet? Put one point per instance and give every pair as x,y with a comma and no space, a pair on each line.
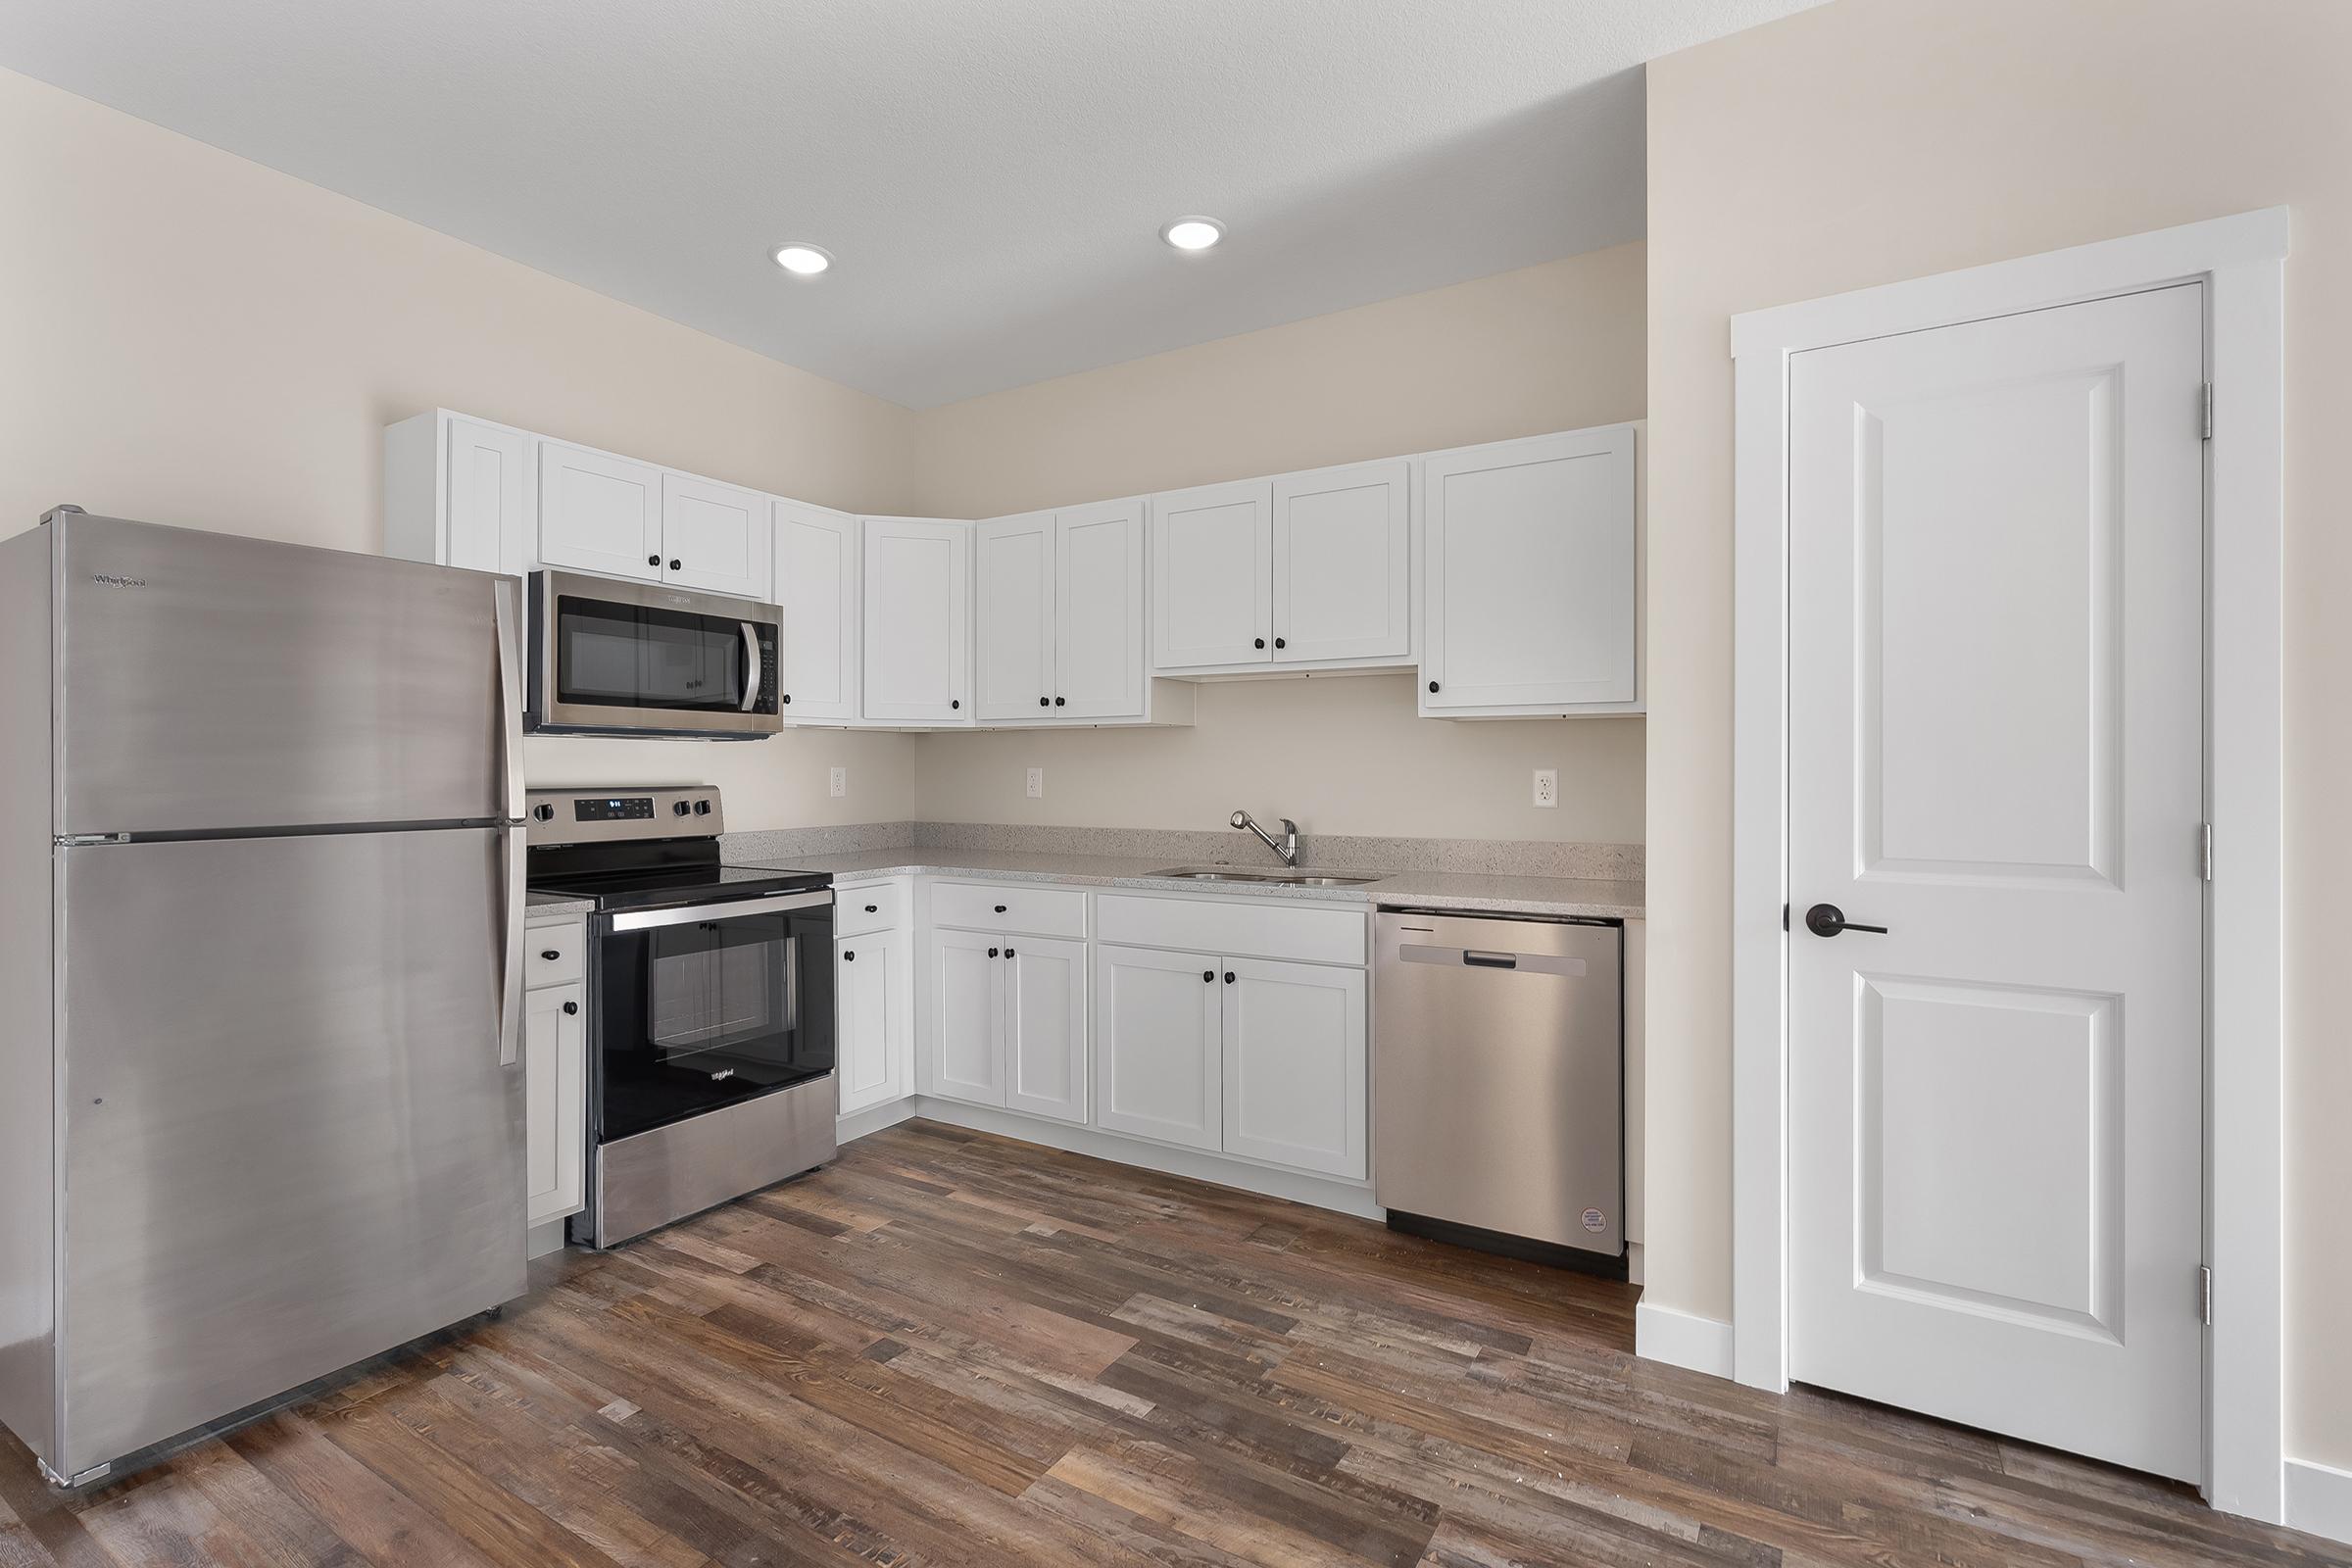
1295,1065
1159,1055
1044,1027
872,991
963,990
555,1051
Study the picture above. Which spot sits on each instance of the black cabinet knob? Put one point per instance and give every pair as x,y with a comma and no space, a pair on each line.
1000,909
992,952
652,561
1229,977
571,1008
872,908
954,702
788,698
1433,685
1044,701
1008,952
550,955
848,955
1282,642
1208,974
1261,643
1827,920
676,564
1058,702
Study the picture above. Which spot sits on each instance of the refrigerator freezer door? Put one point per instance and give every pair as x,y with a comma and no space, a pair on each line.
211,682
289,1143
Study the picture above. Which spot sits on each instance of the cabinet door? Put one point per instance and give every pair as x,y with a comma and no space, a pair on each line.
917,574
1342,553
716,538
489,519
870,985
964,1017
1044,1027
1528,576
1157,1055
817,587
599,512
1012,571
1295,1047
555,1048
1213,576
1099,610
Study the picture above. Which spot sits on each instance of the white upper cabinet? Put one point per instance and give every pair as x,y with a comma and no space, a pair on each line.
1213,576
714,538
1099,610
599,512
1531,556
916,635
817,587
1342,564
1012,571
493,496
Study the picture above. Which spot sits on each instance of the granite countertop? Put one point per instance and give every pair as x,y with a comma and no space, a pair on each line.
1468,892
540,903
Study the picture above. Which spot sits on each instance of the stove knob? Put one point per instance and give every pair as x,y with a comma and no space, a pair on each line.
681,808
543,814
702,808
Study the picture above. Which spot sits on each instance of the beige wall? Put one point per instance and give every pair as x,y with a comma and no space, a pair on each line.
1873,141
190,338
1547,348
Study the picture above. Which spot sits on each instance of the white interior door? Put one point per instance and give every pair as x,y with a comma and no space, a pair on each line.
1996,538
716,537
1343,545
1099,610
1013,568
599,512
817,587
1213,575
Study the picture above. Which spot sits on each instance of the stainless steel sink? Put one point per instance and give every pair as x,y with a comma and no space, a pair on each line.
1246,873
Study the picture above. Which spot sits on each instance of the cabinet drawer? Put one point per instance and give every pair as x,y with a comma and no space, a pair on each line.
1259,930
550,954
1026,907
858,910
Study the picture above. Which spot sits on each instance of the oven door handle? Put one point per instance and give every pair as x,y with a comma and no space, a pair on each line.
731,909
751,666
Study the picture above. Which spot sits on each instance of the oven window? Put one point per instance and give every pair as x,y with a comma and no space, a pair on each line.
705,1013
639,656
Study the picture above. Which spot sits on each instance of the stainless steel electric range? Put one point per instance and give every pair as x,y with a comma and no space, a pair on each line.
710,1004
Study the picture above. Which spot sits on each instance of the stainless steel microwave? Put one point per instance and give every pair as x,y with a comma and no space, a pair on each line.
614,658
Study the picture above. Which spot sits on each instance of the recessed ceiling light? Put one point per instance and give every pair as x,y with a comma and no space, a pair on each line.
803,261
1193,233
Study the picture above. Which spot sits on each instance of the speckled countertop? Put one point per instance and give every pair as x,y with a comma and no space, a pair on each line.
539,905
1466,891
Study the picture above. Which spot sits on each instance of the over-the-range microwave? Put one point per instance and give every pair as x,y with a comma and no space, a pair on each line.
610,658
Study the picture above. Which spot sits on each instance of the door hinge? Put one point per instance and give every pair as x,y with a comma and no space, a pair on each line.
2209,410
2205,1294
2205,852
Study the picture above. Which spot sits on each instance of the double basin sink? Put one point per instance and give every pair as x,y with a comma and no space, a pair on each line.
1245,873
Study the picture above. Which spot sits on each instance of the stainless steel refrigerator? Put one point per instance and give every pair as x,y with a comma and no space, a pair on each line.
261,1100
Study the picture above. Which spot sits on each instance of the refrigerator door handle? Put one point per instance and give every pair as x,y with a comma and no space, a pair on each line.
508,602
510,990
752,674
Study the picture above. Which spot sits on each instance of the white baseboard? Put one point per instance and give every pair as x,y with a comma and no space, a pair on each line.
1319,1191
857,1123
541,1240
1682,1338
2319,1499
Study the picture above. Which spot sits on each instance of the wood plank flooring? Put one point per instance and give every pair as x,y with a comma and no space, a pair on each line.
952,1349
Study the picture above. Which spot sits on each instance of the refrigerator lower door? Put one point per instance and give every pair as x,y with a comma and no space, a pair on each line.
289,1143
211,683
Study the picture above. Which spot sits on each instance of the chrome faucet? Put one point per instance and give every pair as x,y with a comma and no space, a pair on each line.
1288,848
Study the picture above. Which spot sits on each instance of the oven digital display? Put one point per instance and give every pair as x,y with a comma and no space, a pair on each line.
615,809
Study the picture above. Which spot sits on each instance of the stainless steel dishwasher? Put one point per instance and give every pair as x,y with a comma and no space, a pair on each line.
1498,1084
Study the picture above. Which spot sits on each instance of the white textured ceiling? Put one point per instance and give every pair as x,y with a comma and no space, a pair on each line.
989,175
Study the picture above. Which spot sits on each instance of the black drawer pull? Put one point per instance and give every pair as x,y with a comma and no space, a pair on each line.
873,909
551,955
1000,909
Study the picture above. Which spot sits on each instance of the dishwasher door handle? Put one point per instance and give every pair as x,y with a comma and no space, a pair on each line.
1489,961
1484,958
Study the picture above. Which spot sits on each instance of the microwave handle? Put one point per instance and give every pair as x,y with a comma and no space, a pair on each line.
751,666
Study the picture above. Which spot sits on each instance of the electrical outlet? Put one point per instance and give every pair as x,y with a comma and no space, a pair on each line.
1547,787
841,782
1037,783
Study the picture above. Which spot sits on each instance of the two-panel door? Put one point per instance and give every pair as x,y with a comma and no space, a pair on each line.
917,597
816,588
599,512
871,983
1342,563
1159,1023
1059,601
716,538
1529,576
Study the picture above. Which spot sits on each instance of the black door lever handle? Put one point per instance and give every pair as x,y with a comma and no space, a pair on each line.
1827,920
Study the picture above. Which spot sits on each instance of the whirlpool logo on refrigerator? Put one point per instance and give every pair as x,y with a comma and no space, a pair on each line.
108,580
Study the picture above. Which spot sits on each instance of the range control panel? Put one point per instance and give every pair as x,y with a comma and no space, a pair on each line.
581,816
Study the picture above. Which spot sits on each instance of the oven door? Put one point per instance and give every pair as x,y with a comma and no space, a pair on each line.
705,1007
638,657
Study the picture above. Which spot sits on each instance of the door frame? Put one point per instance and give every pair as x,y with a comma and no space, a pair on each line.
2240,260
